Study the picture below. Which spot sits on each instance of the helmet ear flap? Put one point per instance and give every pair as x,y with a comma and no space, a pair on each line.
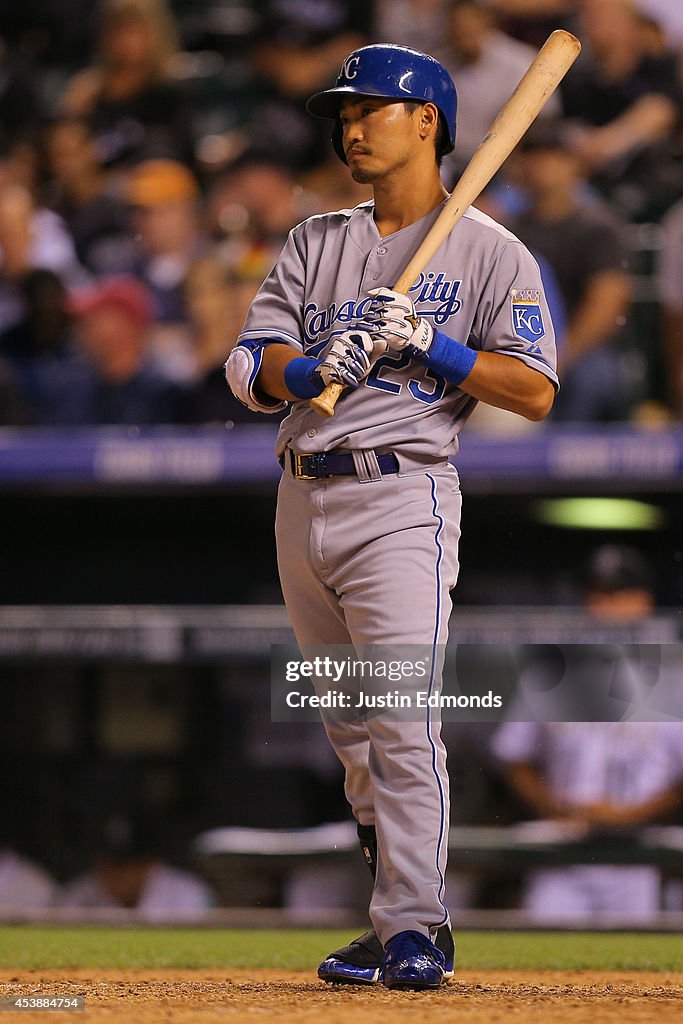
337,141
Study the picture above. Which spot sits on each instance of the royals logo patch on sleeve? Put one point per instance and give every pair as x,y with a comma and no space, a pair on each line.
527,318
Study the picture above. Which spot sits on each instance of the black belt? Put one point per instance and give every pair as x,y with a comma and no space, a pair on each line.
323,464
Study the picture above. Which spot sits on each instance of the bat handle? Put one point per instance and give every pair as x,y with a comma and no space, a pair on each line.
325,402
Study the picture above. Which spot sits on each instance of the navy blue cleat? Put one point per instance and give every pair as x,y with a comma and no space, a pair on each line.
360,962
412,961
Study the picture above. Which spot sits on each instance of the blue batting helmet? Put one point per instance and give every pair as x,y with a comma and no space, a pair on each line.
394,72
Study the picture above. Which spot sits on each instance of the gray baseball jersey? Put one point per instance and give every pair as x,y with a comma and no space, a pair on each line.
623,763
482,288
369,560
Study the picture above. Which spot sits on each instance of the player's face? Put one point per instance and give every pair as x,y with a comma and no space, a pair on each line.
379,136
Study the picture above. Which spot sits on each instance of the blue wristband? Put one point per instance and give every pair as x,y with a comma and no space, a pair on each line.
301,379
449,357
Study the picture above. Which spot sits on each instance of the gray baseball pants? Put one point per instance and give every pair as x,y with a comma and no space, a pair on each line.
371,562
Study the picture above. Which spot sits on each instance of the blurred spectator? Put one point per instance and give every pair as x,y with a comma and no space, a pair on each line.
134,107
601,779
23,884
129,873
670,287
116,381
217,304
251,209
44,328
39,348
583,245
624,103
486,66
618,585
30,237
164,196
78,191
297,50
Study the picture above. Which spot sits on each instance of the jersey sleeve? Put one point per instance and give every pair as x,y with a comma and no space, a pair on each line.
513,316
276,314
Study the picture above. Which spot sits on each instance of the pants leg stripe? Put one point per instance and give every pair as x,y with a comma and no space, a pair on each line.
437,626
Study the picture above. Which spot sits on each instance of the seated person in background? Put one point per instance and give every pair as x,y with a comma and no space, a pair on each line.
40,348
23,884
31,238
604,777
128,95
78,190
252,207
582,242
611,778
129,873
624,103
117,380
166,221
45,326
486,65
296,49
618,585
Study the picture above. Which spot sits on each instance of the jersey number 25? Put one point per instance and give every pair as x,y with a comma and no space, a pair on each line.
381,374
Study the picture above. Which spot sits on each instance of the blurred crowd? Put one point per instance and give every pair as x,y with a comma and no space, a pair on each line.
155,153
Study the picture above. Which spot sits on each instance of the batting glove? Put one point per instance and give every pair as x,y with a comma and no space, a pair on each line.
349,358
392,317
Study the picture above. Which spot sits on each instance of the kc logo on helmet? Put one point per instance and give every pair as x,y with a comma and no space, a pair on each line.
527,318
349,68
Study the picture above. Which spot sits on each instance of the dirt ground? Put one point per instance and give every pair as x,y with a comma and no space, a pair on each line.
474,997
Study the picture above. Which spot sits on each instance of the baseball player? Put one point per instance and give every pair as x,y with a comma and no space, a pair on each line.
368,512
606,776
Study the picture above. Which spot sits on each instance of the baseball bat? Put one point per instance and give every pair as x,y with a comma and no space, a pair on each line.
540,80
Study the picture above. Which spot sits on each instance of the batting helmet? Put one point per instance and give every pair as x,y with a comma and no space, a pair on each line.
395,72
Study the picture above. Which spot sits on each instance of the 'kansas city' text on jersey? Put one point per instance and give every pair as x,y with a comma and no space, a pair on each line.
482,288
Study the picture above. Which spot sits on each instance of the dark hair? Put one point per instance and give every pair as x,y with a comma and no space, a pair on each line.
442,138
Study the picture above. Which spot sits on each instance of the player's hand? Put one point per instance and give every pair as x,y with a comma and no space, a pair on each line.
392,316
349,358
